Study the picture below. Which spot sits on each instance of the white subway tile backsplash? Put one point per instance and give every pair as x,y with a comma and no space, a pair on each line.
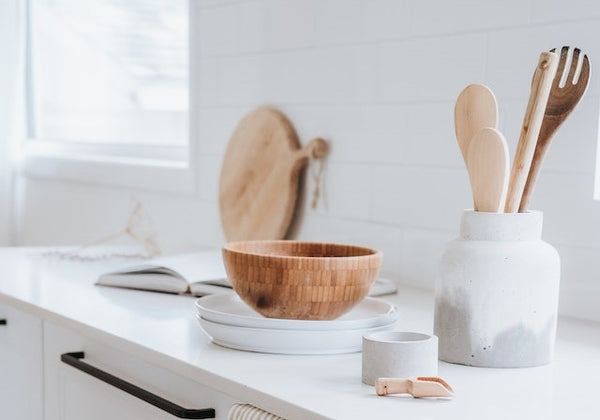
207,86
420,196
430,69
209,170
231,29
339,21
559,10
387,19
579,287
432,140
183,232
339,75
420,255
252,32
290,24
215,127
459,16
217,30
57,226
298,77
241,80
571,215
346,189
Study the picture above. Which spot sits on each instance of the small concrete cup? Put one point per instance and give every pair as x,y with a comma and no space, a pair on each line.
398,354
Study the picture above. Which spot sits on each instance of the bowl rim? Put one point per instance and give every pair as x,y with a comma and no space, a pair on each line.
371,252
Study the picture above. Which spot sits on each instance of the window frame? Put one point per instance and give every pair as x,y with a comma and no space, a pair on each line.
154,168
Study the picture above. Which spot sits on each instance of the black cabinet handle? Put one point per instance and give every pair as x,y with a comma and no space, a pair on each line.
3,321
75,359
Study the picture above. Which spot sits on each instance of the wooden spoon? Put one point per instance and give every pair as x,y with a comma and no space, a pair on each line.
475,109
538,98
488,164
423,386
561,102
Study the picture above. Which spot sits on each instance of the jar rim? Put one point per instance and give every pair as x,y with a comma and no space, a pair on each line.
501,226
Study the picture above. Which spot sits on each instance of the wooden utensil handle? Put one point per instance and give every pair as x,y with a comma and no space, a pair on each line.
536,163
387,386
538,99
549,126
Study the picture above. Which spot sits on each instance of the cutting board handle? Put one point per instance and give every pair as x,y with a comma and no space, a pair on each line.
316,149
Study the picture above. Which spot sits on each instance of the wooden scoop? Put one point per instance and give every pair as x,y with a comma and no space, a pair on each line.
423,386
488,164
475,109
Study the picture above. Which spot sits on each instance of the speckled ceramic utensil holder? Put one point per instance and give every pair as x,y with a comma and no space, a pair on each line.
398,354
497,292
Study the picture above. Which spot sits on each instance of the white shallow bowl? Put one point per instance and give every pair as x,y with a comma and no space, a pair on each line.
229,309
287,341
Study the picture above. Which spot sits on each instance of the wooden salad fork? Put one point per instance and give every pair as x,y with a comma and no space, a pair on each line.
561,102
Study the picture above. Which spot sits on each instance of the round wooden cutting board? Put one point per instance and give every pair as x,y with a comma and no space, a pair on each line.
259,177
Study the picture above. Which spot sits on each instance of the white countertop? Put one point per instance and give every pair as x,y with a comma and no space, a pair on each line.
162,329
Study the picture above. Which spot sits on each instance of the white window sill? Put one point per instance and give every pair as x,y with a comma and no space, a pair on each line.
125,172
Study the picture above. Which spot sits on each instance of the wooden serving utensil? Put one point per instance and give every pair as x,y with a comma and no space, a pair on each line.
538,98
475,109
488,164
561,102
421,387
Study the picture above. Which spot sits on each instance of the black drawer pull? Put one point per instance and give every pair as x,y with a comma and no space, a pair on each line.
74,359
3,321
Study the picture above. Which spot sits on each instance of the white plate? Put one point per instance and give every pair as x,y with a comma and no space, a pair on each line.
287,341
231,310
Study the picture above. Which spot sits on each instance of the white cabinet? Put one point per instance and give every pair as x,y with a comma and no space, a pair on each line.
72,394
21,392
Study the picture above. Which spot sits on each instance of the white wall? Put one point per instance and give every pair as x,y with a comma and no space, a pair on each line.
378,78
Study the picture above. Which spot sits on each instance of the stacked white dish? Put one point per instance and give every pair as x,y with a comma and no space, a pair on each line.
231,323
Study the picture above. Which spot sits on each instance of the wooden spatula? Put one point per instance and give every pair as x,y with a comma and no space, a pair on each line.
475,109
488,163
423,386
534,114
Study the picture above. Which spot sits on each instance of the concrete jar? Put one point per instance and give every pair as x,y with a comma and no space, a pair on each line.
497,292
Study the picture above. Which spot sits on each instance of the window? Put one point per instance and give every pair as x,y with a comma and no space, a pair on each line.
107,82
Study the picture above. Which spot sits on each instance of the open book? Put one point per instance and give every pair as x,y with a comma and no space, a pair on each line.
198,273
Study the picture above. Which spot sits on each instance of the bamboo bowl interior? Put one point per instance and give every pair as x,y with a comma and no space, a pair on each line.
300,280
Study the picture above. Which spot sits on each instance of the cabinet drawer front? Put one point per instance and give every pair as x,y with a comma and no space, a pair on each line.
74,394
21,372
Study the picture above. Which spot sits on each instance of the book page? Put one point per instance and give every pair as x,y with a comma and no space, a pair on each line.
194,267
144,281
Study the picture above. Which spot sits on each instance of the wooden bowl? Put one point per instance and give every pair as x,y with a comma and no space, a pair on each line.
300,280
